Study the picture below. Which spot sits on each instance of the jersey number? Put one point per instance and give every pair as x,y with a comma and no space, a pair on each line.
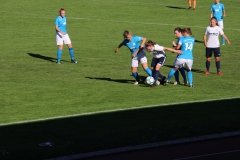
189,46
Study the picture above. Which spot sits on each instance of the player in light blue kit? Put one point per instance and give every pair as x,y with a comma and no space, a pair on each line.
137,53
186,43
62,36
218,11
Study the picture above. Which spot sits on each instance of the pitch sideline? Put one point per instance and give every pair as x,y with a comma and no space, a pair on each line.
110,111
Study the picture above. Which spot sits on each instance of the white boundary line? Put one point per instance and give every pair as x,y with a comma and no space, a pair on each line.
115,21
206,155
148,146
116,110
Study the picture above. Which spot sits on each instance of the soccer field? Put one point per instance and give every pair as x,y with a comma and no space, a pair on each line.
33,87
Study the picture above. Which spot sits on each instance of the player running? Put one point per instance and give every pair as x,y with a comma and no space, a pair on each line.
158,59
218,11
62,36
186,43
137,52
178,34
212,44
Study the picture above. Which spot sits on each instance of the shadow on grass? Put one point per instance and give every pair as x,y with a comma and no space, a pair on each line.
51,59
141,78
193,70
94,132
175,7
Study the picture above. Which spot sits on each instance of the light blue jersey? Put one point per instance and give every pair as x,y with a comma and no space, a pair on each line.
132,45
217,10
61,22
187,44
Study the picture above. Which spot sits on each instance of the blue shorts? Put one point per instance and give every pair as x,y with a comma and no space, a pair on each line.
156,61
216,52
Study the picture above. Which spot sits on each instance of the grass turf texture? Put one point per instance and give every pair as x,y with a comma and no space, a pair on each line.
33,86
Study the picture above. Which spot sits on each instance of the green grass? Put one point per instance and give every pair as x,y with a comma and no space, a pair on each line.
33,86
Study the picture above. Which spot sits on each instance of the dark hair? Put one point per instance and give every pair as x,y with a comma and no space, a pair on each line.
214,18
178,29
150,43
61,9
126,32
187,30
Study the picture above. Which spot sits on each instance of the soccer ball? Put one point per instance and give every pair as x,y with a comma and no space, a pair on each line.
149,80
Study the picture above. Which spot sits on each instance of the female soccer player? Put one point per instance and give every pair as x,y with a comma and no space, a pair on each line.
158,60
212,44
186,43
62,36
218,11
137,52
178,34
190,4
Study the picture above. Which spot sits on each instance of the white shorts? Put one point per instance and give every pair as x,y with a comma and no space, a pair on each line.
179,62
62,38
137,60
175,63
220,24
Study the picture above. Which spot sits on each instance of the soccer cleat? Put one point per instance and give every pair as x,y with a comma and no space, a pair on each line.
152,86
59,62
191,86
176,83
157,82
162,80
207,72
167,82
189,8
220,73
135,83
74,61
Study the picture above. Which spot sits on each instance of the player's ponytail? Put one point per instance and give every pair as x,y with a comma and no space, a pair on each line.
60,10
126,32
187,30
150,43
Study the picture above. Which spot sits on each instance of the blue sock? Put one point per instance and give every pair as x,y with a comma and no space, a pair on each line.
223,41
135,75
59,55
218,66
190,77
71,53
170,74
155,75
149,71
207,65
159,74
176,75
182,71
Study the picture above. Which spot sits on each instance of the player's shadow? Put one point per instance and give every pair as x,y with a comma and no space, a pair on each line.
112,80
51,59
175,7
193,70
141,78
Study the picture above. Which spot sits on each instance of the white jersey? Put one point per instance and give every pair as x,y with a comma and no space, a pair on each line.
158,51
213,34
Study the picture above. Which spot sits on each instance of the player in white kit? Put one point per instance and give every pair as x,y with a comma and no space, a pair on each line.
211,41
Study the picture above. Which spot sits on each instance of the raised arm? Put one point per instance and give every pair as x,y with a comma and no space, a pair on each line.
143,42
119,46
172,50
